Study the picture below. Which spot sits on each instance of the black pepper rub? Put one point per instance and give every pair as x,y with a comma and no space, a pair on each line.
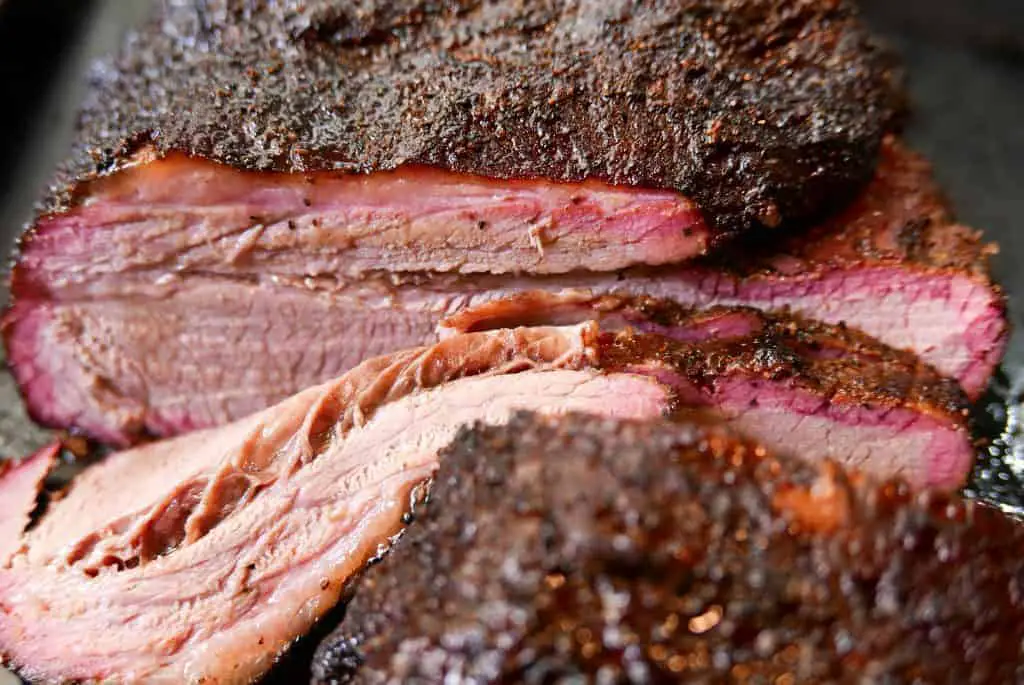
551,550
763,111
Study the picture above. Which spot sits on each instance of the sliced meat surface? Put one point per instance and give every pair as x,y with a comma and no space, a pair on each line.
201,559
128,344
760,111
792,382
20,485
800,387
581,550
181,215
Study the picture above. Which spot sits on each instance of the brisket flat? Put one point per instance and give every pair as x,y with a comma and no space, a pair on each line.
163,331
582,550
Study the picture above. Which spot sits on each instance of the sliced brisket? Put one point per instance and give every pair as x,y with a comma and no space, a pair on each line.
201,559
169,330
593,551
20,485
797,386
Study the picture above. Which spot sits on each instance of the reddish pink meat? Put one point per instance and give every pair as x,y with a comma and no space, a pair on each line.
208,306
19,487
179,215
201,559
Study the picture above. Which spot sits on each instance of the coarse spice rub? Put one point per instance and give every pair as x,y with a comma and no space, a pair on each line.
659,553
761,111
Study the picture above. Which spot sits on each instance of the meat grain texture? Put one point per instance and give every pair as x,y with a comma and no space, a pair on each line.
202,559
799,387
583,550
135,315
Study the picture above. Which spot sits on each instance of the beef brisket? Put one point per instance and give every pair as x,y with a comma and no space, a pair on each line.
201,559
594,551
758,110
20,485
799,387
169,331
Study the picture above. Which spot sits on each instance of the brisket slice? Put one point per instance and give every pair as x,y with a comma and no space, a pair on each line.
120,338
582,550
758,110
201,559
799,387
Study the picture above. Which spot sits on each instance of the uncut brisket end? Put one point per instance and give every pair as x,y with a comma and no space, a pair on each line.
660,553
114,338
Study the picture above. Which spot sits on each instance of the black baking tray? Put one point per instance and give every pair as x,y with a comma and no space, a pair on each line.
965,66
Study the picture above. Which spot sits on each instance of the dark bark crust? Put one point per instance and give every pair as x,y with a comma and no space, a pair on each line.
826,361
660,553
762,111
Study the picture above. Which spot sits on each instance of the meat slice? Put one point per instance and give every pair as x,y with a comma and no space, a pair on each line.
792,383
799,387
582,550
190,216
201,559
126,343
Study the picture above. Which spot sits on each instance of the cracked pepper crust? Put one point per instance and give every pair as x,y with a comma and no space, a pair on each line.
902,218
827,361
762,111
657,553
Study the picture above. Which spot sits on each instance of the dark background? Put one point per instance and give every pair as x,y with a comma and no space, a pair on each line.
965,61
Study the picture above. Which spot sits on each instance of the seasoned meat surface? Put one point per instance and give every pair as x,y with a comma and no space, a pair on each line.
595,551
760,110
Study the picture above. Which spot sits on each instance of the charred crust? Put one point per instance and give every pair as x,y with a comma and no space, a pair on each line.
708,546
825,360
901,219
763,111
